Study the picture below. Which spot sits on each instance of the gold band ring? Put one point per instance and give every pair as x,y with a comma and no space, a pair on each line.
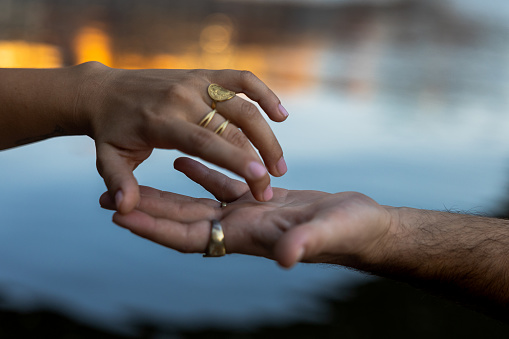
207,119
222,127
218,94
216,248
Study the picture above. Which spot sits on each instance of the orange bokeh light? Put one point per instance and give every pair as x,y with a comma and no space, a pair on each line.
93,44
20,54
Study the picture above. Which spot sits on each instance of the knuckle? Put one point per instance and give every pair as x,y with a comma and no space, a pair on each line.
200,73
179,93
248,76
188,244
238,139
93,65
201,138
249,111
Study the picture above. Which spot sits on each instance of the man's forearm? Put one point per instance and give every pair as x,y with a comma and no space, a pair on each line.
463,257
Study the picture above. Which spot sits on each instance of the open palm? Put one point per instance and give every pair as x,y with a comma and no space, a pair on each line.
294,226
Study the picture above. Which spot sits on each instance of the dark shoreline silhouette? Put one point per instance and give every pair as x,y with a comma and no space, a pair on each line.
379,308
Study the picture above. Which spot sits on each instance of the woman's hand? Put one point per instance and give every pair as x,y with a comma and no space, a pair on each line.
130,112
294,226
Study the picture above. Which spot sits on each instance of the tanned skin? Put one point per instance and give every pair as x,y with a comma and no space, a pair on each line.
462,257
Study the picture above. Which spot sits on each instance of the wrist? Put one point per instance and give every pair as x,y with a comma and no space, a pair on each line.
408,246
88,78
388,246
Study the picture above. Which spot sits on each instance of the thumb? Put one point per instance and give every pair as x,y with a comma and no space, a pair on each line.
117,172
291,247
304,242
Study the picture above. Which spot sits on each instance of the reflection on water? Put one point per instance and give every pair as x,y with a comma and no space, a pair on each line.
279,42
423,47
405,101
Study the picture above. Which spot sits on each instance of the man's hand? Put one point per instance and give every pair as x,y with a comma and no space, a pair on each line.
294,226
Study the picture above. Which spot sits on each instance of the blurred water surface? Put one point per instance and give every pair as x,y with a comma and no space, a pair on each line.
405,101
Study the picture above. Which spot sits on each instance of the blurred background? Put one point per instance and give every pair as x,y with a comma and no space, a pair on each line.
403,100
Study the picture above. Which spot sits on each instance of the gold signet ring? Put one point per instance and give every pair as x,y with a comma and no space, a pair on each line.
208,118
218,93
216,247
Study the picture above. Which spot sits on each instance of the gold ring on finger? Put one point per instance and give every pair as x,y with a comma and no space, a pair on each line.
207,119
215,247
219,94
220,129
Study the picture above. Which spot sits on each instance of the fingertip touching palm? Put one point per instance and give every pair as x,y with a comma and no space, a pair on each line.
294,226
135,111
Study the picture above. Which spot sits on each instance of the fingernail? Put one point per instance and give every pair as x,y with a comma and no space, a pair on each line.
283,110
281,166
256,170
268,194
118,199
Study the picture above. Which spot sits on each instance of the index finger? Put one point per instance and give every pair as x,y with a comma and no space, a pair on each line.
200,142
249,84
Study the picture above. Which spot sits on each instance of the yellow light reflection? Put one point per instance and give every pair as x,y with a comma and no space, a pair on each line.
93,44
20,54
217,50
215,38
290,66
